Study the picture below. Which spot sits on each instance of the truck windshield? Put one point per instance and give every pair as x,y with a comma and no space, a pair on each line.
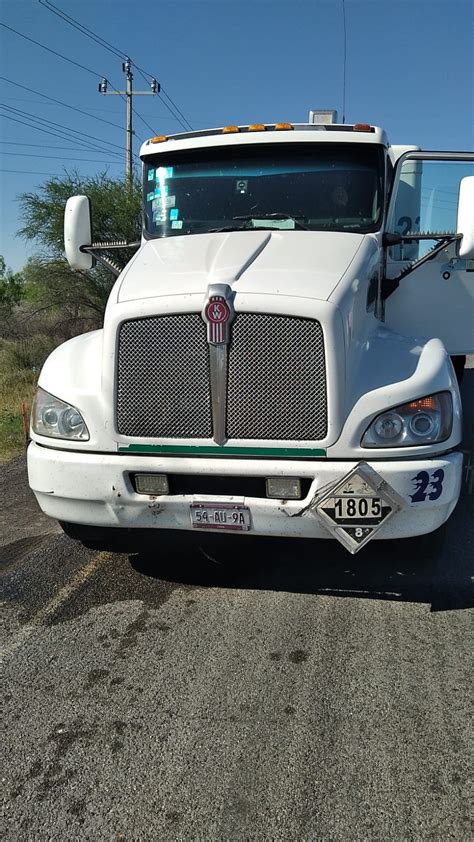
318,187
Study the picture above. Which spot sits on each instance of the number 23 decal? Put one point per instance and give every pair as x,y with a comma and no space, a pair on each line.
427,486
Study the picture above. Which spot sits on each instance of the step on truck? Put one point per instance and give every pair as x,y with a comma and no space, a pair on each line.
277,355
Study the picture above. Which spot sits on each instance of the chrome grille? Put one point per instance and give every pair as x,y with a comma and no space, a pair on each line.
163,378
276,386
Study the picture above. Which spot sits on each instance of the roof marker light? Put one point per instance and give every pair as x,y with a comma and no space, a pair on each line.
160,138
282,126
257,127
363,127
230,129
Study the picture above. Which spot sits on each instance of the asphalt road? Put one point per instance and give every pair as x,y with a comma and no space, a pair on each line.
233,689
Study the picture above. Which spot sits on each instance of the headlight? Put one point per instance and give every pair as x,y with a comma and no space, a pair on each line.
423,421
55,418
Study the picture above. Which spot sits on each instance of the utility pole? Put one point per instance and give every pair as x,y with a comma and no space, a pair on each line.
129,93
127,67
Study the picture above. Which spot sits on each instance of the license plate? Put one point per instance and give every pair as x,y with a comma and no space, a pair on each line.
367,510
225,516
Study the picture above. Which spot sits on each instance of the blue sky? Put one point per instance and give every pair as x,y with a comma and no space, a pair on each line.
410,69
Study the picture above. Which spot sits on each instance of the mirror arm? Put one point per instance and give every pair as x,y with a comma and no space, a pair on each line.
113,244
389,285
96,248
391,239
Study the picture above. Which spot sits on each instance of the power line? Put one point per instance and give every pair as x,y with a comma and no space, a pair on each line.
76,64
129,93
47,146
50,146
65,128
64,133
98,39
63,158
82,28
55,134
89,33
44,104
55,53
147,76
60,102
80,110
184,123
189,126
30,172
153,131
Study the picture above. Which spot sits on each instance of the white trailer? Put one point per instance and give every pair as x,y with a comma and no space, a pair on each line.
276,356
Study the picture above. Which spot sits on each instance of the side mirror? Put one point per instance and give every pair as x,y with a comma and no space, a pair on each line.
78,232
465,223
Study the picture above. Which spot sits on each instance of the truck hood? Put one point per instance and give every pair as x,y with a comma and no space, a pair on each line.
308,264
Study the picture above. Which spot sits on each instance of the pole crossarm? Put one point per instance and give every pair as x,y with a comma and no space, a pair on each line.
128,95
124,93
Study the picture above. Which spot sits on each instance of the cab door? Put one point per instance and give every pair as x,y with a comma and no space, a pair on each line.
425,252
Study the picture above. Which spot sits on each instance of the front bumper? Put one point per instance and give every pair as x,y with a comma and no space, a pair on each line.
95,490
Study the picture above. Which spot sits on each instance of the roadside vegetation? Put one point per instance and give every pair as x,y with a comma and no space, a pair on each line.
17,386
47,302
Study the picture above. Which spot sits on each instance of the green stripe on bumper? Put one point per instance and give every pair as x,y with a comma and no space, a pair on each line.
215,450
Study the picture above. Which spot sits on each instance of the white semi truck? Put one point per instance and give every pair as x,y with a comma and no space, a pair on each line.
276,356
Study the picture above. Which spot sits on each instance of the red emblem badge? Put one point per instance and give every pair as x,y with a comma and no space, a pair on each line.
218,314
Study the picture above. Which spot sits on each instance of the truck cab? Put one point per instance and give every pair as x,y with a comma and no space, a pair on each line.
275,357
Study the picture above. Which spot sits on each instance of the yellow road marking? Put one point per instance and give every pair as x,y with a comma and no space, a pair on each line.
48,610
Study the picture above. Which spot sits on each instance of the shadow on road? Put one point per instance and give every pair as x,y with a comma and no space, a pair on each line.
392,570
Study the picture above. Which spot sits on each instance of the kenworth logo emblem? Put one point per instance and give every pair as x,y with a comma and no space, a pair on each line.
218,313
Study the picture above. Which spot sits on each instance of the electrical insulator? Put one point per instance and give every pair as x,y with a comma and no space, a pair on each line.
103,86
155,86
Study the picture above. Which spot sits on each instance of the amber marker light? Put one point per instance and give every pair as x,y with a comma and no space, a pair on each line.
257,127
423,403
159,139
363,127
281,126
230,130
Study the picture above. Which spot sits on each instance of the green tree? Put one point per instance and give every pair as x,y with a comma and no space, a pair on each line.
49,281
11,289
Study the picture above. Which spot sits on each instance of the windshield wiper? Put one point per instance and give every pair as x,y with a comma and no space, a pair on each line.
250,216
295,219
230,228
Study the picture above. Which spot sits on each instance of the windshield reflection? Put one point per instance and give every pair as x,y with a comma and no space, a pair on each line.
316,187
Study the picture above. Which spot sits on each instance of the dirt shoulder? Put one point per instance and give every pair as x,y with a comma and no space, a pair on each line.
23,526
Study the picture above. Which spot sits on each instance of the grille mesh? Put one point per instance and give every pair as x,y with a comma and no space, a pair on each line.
277,380
163,378
276,385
